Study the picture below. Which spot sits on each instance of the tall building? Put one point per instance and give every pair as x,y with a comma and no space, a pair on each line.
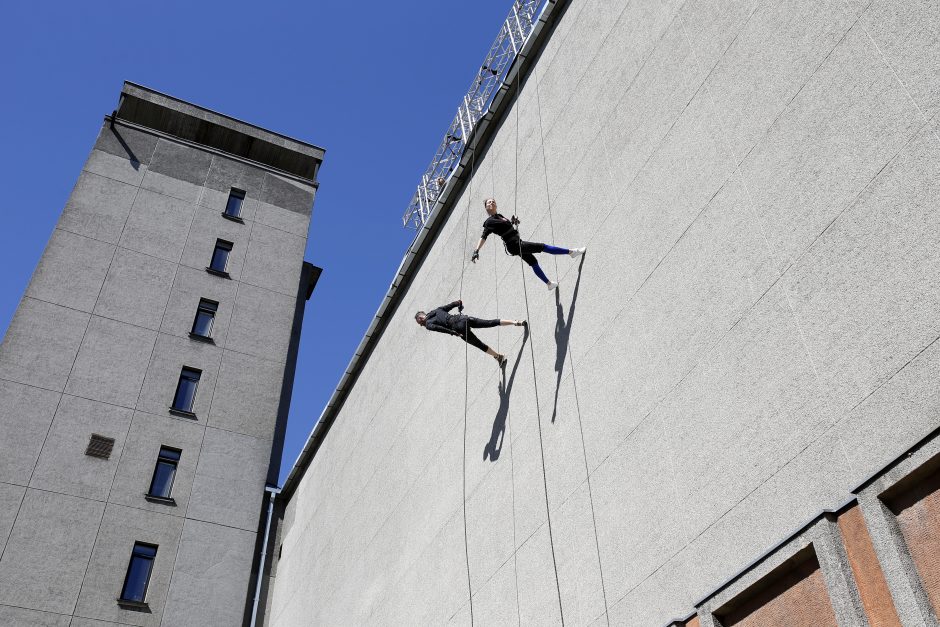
146,376
727,413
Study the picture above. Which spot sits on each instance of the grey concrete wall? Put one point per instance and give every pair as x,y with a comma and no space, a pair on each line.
97,346
751,333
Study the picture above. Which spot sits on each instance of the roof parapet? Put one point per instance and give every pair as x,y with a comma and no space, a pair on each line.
161,112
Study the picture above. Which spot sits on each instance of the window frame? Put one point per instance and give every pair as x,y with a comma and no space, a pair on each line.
174,408
205,305
227,246
241,195
165,457
142,602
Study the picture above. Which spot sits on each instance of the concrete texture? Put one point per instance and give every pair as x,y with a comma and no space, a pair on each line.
96,347
750,335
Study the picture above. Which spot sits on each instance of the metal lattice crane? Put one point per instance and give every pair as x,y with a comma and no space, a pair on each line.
511,39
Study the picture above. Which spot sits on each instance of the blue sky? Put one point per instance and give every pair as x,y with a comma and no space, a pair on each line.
375,83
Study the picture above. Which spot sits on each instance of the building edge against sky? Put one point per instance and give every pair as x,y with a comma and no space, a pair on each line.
739,427
145,379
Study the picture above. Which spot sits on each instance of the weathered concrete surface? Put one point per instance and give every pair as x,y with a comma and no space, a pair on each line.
96,347
749,336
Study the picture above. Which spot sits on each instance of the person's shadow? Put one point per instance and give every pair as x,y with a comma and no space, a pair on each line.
563,335
495,446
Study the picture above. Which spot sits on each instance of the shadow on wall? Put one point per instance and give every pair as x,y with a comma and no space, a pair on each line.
495,446
563,334
135,162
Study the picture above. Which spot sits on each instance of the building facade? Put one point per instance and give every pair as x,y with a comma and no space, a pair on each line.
146,376
726,414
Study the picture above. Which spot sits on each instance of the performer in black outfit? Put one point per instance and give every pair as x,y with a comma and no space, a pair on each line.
442,321
506,229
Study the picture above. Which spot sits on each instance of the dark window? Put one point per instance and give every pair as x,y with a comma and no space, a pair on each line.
186,390
99,446
205,316
220,255
164,472
233,208
138,573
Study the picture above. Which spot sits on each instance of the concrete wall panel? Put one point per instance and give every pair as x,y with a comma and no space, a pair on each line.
110,366
157,225
247,395
25,416
273,260
63,465
178,171
31,618
210,580
71,271
261,323
11,496
136,289
229,481
48,549
41,343
98,206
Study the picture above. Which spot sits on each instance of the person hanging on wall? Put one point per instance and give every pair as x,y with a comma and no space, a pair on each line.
506,229
442,321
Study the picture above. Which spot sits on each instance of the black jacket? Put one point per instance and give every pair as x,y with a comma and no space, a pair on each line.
502,226
443,322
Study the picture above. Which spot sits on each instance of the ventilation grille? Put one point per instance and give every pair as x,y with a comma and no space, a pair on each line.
100,446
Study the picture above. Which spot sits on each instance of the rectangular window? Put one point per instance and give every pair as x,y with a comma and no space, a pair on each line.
186,390
220,256
164,472
138,573
233,208
205,316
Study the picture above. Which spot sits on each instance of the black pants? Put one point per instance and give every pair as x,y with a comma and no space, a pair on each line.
476,323
526,250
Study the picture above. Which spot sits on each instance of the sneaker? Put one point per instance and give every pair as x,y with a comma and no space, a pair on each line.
551,285
522,323
502,361
577,252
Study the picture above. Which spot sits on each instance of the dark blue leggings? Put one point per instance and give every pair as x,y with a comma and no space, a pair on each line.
527,251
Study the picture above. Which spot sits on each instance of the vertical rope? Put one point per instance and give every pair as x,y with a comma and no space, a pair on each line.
538,413
574,383
466,385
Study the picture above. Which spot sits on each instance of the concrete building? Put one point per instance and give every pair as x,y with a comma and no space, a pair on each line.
726,414
146,375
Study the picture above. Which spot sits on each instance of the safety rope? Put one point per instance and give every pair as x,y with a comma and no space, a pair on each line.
538,413
466,378
587,470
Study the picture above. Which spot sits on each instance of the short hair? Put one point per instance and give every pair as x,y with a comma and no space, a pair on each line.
486,201
419,314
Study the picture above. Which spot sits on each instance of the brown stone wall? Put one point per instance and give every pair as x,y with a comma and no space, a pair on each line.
796,597
870,579
918,515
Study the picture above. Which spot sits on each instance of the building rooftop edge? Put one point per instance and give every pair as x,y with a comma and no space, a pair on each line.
159,111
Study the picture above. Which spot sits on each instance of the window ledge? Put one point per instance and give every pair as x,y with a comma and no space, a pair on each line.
164,500
201,338
128,604
183,413
232,218
221,273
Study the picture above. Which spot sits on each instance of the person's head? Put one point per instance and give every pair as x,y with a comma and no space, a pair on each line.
490,205
420,317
